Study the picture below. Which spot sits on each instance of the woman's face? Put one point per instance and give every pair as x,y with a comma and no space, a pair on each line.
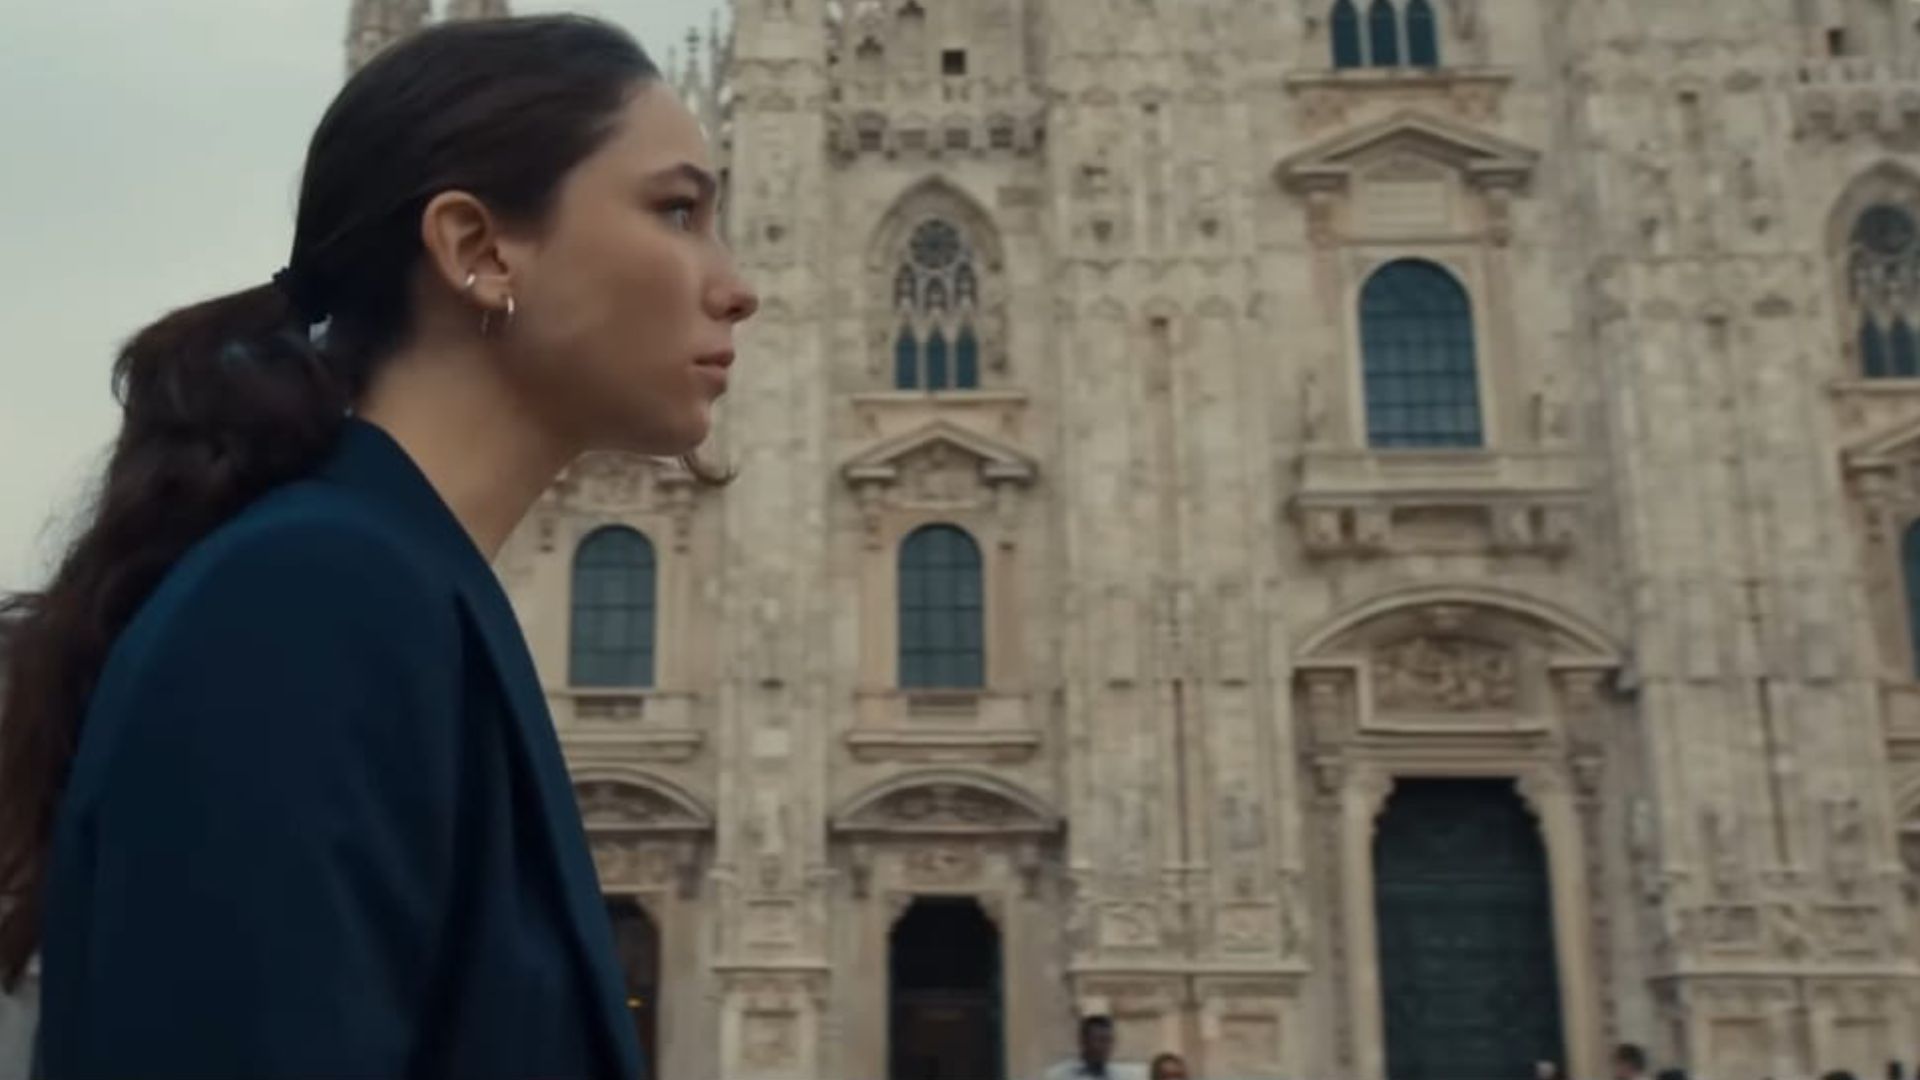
626,299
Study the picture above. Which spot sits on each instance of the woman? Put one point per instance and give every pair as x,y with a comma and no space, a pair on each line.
281,794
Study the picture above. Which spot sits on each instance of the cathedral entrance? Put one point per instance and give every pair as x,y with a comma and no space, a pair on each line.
944,993
1469,981
636,942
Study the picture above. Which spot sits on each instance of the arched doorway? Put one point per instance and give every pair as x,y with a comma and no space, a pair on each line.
1468,976
636,942
944,993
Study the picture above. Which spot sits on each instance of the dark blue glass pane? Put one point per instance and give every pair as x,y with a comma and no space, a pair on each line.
1873,350
1423,35
1383,33
940,618
1910,557
906,361
1906,357
1346,35
966,360
1417,347
613,610
937,361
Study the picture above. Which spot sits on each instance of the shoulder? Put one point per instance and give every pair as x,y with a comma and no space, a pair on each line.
310,568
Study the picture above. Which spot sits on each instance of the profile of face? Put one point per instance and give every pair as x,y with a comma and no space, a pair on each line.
1096,1044
625,298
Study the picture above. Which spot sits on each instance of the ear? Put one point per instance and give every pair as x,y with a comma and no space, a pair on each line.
462,241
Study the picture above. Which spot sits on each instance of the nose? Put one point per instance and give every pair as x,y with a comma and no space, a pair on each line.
730,299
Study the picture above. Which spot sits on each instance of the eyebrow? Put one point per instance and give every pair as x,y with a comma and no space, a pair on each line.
687,170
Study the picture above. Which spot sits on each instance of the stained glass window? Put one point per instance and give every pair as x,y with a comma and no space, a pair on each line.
1910,560
1423,35
942,632
1346,35
937,303
1883,279
1383,33
1417,348
613,610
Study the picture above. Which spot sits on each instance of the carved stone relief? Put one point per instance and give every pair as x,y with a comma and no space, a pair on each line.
943,865
1444,675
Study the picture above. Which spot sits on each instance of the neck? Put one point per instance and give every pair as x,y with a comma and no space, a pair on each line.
483,452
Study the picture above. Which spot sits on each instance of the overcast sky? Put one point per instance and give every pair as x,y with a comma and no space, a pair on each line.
149,155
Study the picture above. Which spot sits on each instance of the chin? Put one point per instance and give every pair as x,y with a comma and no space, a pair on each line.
656,439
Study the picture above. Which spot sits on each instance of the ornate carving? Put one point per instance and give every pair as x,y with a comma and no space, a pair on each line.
1130,926
1449,675
1723,836
941,475
943,865
608,804
1246,928
769,1040
945,806
1846,846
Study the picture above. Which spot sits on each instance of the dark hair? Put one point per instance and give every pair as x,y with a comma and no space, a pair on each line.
227,398
1671,1074
1153,1068
1097,1022
1630,1055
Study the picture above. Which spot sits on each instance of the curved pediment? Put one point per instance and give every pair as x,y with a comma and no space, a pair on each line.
632,802
1405,142
946,803
946,444
1474,624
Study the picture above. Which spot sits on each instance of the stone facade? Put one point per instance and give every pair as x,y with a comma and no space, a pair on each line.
1663,593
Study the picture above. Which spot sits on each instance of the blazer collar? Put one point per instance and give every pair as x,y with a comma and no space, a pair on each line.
371,461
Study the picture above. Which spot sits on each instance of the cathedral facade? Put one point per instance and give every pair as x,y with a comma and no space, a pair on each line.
1358,538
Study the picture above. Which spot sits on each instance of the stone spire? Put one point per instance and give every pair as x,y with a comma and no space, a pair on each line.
477,9
372,25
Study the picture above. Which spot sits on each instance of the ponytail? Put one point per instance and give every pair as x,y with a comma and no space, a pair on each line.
220,402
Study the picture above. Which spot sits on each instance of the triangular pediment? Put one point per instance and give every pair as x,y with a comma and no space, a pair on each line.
1884,448
1408,136
997,462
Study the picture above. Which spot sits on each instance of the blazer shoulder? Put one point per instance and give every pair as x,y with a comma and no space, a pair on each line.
303,562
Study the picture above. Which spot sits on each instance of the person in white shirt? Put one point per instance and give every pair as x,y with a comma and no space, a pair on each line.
1096,1056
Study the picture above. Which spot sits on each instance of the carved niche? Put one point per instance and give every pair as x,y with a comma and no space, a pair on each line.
940,466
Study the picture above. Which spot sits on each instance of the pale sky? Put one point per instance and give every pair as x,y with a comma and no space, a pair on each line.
149,156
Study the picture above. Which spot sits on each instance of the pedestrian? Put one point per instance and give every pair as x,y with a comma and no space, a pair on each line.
1094,1061
279,792
1629,1062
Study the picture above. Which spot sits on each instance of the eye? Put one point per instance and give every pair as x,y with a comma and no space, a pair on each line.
682,214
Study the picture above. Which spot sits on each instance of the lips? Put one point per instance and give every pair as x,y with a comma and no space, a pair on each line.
722,360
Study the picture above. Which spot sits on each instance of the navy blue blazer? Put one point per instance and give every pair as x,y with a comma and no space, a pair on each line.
319,824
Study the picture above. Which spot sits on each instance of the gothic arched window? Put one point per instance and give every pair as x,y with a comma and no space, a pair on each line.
1417,356
1423,35
942,623
1883,283
936,302
1392,34
1383,34
1345,27
1910,564
613,610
